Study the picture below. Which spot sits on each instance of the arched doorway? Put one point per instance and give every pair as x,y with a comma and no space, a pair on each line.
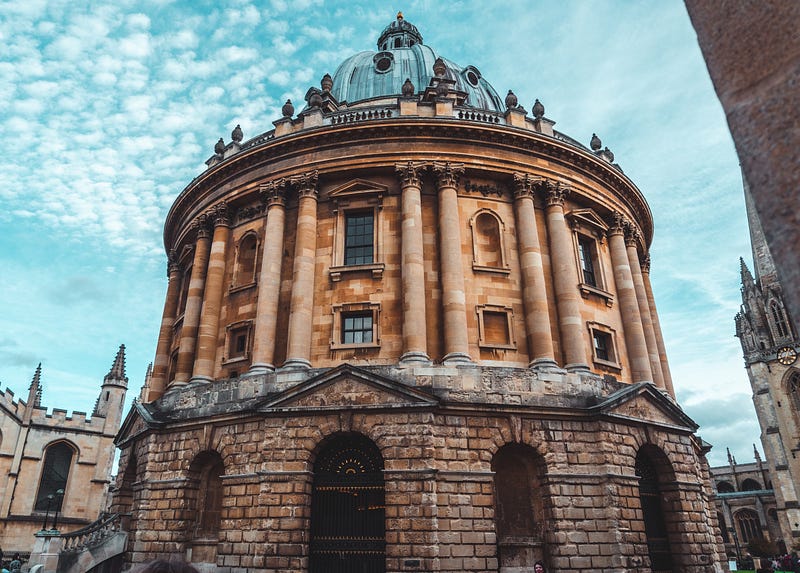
348,531
655,526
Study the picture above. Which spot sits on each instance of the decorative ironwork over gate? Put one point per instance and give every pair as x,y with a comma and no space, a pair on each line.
348,532
654,525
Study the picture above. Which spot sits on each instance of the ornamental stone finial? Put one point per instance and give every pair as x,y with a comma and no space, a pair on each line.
408,88
315,100
326,83
237,134
511,100
219,148
439,68
595,143
288,109
538,110
447,174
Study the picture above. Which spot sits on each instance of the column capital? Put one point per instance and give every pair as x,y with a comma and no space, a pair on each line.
221,214
646,263
306,184
632,234
409,173
202,226
523,185
273,193
617,224
555,193
172,262
447,174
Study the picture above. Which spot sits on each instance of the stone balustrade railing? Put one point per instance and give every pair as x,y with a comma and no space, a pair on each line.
94,533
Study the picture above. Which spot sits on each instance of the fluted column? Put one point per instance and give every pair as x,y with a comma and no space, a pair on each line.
158,378
534,296
208,336
298,350
194,302
631,240
628,305
662,350
412,265
269,280
565,279
456,340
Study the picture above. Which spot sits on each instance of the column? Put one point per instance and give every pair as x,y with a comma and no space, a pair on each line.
662,350
632,237
456,340
412,265
298,350
534,296
208,336
628,305
158,379
194,301
269,280
565,278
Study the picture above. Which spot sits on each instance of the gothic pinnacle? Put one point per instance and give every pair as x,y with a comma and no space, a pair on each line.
117,371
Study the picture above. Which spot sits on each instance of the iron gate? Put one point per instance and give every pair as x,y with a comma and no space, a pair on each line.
348,532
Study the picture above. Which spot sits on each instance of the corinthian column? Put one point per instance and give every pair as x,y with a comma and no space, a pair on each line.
208,337
158,379
632,237
662,350
534,296
412,269
194,302
298,349
565,279
628,305
269,281
456,341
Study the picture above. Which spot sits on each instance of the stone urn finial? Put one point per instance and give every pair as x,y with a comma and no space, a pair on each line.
408,88
315,100
219,148
538,110
288,109
237,134
326,83
439,68
511,100
608,155
595,143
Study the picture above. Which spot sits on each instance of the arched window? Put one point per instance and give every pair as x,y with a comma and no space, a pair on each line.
779,319
55,472
751,485
655,525
348,531
245,269
793,387
487,242
748,525
519,505
204,493
725,487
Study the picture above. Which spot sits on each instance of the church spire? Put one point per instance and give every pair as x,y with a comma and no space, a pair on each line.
35,389
747,277
764,267
117,372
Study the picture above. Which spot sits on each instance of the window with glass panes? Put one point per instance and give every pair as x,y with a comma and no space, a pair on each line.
586,251
357,328
602,346
359,237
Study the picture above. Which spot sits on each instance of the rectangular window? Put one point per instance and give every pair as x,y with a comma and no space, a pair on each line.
495,327
238,343
602,346
588,256
359,239
357,328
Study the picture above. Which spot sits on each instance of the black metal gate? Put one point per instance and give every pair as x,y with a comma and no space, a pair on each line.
348,532
655,527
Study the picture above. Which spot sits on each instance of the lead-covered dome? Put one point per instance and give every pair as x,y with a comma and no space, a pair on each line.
401,55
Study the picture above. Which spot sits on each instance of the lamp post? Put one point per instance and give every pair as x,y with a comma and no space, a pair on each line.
60,499
47,512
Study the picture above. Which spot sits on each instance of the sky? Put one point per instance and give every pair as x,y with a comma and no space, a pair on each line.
110,108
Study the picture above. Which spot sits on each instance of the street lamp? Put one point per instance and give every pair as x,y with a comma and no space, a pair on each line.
60,498
47,513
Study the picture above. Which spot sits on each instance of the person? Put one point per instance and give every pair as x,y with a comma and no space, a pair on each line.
538,567
4,568
161,566
16,563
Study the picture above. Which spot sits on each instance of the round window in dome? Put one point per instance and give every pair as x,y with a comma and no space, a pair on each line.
383,62
473,76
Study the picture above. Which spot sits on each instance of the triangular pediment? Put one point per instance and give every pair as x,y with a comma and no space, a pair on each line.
587,218
137,420
357,188
351,388
644,402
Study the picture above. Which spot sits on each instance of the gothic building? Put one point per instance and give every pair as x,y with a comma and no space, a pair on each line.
411,329
52,462
770,345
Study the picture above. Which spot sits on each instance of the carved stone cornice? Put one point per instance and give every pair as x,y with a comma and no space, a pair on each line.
616,226
221,215
447,174
202,226
306,184
409,173
274,193
554,193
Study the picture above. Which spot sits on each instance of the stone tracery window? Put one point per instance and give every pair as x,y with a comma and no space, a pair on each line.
779,320
55,473
748,524
793,387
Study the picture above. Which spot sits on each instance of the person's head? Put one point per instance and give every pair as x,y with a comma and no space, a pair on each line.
161,566
538,567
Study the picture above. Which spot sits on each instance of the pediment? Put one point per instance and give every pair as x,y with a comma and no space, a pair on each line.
587,218
358,188
137,421
644,402
350,388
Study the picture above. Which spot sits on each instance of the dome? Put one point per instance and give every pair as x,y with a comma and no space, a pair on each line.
401,55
